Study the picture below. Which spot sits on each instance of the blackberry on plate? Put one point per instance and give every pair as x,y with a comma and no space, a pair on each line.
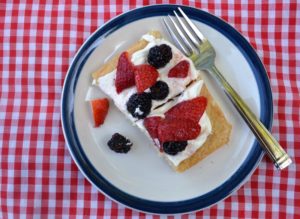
159,56
173,147
119,143
159,90
139,105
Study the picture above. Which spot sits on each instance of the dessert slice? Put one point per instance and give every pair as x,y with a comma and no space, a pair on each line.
161,92
174,128
152,71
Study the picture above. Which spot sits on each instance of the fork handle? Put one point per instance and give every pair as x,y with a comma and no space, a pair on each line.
266,140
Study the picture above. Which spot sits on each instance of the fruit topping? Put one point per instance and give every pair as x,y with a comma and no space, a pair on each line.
177,130
119,143
125,73
159,90
145,77
99,110
151,124
173,147
190,109
139,105
180,70
159,56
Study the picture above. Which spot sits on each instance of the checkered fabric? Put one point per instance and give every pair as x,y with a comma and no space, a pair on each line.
38,40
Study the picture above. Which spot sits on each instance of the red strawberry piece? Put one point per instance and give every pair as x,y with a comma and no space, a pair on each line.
151,124
180,70
125,73
145,77
177,130
99,110
190,109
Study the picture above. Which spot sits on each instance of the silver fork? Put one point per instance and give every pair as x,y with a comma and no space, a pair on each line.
194,45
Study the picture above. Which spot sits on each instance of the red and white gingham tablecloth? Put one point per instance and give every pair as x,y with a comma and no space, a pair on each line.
38,40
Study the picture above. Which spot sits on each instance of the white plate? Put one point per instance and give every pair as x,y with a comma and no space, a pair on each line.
141,179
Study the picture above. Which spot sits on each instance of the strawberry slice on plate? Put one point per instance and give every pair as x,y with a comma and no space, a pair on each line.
190,109
145,76
180,70
99,110
125,73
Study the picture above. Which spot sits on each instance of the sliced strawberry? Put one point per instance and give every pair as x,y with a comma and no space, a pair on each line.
145,77
190,109
177,130
125,73
99,110
180,70
151,124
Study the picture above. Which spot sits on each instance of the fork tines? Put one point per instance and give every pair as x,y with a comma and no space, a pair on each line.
184,32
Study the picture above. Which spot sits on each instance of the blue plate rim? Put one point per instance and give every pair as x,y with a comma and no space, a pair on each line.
89,171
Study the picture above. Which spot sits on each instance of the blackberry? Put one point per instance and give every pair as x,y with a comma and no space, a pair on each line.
159,56
119,143
159,90
139,105
173,147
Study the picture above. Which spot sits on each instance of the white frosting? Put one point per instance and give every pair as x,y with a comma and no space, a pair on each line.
148,37
192,91
138,111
